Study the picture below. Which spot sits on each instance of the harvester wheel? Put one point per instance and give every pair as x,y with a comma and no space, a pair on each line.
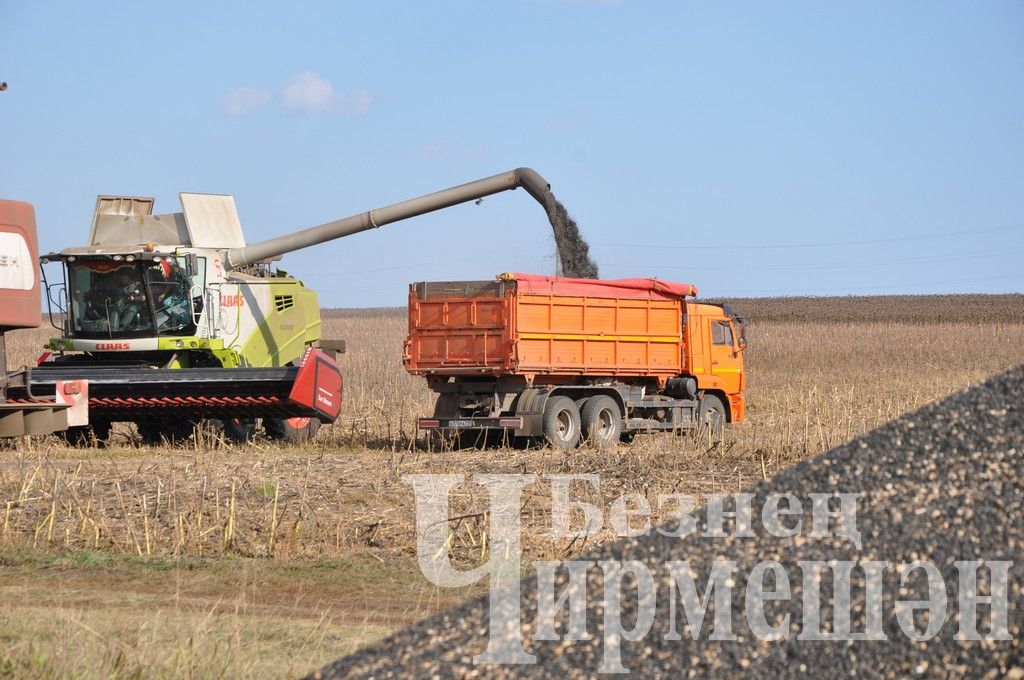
171,431
239,430
291,430
562,423
602,421
97,432
712,415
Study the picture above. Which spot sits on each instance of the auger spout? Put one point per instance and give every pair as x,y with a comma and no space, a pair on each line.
529,179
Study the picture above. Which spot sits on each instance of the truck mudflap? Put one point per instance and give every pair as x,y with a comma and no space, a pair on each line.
313,389
495,423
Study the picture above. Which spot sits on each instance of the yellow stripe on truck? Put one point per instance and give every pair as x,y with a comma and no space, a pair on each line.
620,338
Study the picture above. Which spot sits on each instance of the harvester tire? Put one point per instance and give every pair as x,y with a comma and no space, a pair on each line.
602,421
239,430
561,423
86,435
291,430
712,415
170,431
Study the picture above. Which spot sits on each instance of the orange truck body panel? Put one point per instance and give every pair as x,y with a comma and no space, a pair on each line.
551,330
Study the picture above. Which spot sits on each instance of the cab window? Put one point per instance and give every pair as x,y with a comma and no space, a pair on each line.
721,333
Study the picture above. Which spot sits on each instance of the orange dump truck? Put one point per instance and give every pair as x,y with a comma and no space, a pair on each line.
568,359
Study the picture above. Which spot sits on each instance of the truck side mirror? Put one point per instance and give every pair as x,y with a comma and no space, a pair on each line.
191,264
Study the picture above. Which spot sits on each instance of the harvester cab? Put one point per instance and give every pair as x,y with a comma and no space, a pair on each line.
152,288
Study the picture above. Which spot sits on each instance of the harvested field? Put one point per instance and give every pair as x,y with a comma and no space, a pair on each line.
814,384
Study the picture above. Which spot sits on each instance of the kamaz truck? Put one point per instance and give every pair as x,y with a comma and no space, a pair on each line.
569,360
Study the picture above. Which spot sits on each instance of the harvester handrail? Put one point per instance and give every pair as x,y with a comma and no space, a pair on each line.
527,178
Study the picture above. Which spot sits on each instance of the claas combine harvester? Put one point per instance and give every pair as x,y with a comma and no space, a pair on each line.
173,320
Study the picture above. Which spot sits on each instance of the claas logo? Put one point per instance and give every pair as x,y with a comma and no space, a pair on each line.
232,301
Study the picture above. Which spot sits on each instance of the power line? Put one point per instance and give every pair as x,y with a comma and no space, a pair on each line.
774,246
975,255
847,291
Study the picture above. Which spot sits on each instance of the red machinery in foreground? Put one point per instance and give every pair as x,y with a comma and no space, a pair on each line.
64,404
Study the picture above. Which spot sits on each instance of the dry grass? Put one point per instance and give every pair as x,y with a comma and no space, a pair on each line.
812,385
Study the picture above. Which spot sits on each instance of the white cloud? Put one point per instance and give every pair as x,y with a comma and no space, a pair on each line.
241,100
306,91
309,92
361,101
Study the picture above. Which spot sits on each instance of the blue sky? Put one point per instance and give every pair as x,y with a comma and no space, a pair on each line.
747,148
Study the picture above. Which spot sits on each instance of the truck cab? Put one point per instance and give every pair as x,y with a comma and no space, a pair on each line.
715,338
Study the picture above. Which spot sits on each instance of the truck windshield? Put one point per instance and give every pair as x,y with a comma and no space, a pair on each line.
116,299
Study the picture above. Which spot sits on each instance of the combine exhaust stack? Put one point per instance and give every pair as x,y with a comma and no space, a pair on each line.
527,178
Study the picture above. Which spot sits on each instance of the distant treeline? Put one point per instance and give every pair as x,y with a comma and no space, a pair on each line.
1007,308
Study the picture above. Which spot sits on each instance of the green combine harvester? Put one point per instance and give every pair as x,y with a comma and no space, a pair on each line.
173,320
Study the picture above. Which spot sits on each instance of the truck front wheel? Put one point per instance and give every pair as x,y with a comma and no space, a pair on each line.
562,423
712,415
602,421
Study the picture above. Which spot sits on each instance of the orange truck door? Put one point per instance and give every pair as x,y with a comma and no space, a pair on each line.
726,362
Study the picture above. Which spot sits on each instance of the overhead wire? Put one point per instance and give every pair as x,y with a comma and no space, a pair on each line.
828,244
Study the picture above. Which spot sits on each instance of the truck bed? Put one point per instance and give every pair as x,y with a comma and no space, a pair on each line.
537,327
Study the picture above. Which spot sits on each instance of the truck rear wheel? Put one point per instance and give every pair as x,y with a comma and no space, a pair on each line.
602,421
562,423
447,406
291,430
712,415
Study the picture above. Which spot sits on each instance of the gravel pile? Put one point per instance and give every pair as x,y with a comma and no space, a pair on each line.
945,483
573,252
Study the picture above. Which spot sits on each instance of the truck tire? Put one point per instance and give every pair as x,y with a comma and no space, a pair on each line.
712,415
562,423
447,406
291,430
602,421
